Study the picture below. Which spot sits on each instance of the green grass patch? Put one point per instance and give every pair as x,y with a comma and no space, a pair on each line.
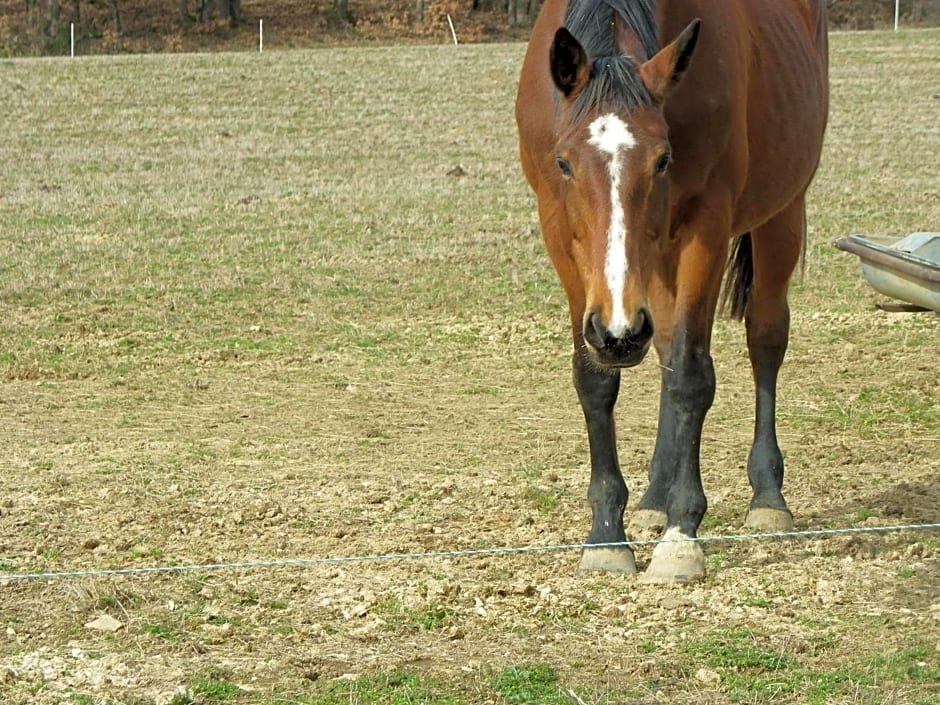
543,499
430,617
529,683
738,649
919,663
160,631
396,688
213,687
753,671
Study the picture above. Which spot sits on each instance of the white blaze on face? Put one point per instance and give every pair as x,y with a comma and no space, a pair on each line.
611,136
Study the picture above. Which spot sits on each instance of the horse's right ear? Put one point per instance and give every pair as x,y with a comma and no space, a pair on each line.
663,72
571,67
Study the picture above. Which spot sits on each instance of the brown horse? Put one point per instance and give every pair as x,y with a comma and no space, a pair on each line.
658,168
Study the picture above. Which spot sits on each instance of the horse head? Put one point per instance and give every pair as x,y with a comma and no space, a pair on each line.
613,159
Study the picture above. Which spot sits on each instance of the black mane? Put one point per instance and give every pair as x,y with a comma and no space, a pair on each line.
614,78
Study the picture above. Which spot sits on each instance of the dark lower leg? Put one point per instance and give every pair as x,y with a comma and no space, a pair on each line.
662,469
607,493
776,250
765,461
690,390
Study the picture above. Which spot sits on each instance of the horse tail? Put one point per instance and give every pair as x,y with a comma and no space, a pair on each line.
739,276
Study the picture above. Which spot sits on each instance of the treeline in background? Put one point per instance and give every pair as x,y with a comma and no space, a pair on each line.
43,27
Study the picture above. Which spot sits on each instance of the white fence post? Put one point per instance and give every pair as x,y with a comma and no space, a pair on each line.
450,23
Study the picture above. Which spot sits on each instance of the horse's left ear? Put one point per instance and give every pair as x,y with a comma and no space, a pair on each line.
664,71
571,68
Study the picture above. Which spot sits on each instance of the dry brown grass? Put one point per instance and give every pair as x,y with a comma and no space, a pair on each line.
247,314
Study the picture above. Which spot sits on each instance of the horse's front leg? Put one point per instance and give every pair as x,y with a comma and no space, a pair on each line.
607,492
688,390
649,519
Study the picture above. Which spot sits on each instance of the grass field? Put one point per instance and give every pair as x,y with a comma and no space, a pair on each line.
248,314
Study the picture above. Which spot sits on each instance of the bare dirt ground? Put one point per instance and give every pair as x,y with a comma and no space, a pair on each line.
384,468
404,466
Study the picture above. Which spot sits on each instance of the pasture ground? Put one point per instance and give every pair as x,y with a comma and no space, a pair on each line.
248,314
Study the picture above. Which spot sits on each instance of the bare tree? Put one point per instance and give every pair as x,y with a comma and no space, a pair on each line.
33,14
184,11
340,15
52,17
521,13
44,16
206,10
230,10
115,15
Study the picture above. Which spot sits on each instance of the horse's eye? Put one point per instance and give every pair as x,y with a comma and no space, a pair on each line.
564,166
663,163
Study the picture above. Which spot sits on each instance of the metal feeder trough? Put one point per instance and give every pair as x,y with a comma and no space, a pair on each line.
908,270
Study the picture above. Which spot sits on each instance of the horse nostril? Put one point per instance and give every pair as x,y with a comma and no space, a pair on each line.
595,332
600,330
598,336
642,329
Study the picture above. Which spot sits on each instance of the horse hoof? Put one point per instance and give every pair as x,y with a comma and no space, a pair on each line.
673,562
767,519
647,523
608,560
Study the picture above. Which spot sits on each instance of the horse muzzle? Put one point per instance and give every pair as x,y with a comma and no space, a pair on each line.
626,349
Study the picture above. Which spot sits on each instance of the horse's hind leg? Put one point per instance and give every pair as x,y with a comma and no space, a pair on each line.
776,248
